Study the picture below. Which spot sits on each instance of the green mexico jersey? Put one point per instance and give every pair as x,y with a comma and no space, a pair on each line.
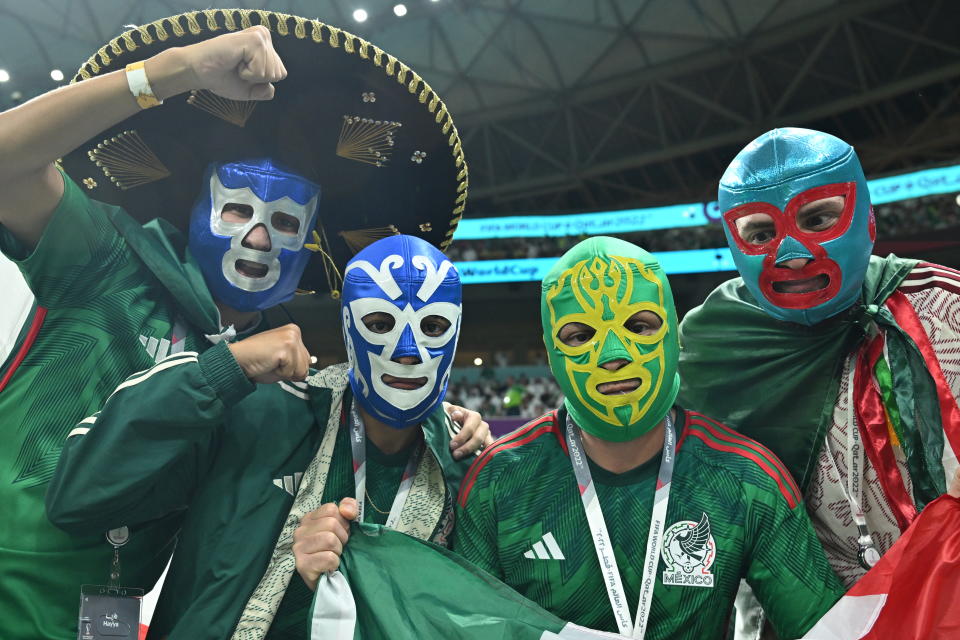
734,512
384,472
106,317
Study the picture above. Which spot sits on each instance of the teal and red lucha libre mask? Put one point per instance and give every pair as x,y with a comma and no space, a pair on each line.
772,179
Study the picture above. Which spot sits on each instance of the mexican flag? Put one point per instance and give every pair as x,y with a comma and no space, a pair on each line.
914,591
391,585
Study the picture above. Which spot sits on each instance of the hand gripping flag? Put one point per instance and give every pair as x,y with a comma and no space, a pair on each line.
913,593
391,585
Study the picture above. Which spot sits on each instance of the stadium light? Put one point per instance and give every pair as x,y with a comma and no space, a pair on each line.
400,10
4,76
478,361
56,75
360,15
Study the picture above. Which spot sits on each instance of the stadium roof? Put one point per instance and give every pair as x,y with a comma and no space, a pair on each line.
590,104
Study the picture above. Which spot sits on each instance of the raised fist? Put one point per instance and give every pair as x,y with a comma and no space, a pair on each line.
277,354
241,65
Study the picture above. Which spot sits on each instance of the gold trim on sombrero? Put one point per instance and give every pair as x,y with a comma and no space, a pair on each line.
128,161
359,239
161,30
366,140
235,112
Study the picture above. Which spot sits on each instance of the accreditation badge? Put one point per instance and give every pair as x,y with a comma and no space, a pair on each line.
109,613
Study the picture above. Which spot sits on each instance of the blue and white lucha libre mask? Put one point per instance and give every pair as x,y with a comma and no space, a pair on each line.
763,196
262,193
401,319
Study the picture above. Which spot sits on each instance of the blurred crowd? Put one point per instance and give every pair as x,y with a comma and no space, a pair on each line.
908,217
525,397
894,220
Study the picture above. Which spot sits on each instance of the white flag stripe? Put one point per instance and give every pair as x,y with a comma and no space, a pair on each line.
572,631
334,615
850,619
552,545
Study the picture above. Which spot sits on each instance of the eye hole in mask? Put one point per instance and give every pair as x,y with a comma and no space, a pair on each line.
756,229
434,326
285,223
379,322
236,212
820,215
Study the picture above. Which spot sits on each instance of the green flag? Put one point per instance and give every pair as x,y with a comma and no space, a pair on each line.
391,585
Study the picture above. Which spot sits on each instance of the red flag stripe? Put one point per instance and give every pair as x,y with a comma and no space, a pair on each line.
907,318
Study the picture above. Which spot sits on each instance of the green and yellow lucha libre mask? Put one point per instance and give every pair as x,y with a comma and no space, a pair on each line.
602,283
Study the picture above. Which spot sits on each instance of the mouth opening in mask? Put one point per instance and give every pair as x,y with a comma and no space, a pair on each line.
251,269
816,283
404,384
619,387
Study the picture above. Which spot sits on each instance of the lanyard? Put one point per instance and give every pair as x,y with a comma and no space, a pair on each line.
358,446
867,554
601,539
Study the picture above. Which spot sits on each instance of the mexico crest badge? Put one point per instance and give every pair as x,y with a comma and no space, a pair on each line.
689,551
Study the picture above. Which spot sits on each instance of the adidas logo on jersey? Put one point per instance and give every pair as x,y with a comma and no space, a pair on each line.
157,349
290,484
546,549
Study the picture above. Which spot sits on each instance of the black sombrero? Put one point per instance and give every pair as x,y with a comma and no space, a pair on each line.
350,117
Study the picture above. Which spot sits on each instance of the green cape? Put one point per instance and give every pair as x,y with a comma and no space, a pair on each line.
777,382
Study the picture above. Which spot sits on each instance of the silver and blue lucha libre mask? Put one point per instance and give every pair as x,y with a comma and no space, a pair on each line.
401,319
255,193
764,195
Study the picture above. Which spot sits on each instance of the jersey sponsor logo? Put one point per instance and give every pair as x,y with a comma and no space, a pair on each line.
545,549
689,551
290,484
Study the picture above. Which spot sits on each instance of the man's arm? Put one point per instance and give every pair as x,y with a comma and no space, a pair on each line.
33,136
788,569
142,456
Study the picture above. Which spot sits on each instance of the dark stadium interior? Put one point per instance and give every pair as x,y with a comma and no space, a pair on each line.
601,105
